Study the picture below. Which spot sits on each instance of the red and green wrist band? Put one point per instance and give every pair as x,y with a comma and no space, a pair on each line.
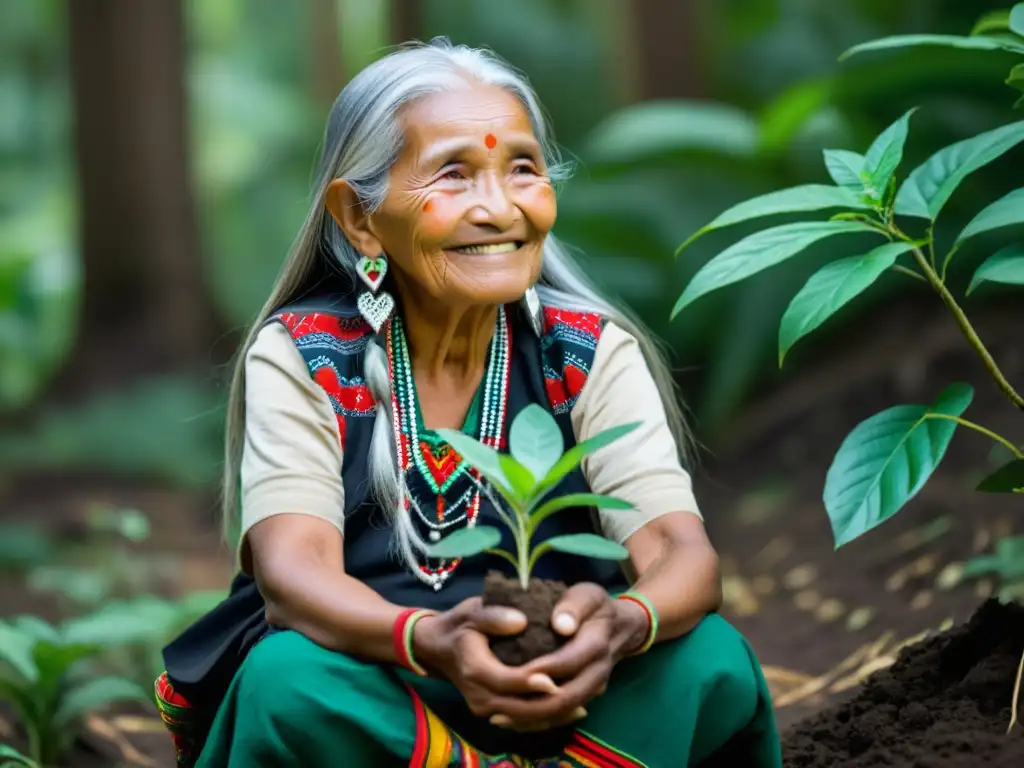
652,619
401,637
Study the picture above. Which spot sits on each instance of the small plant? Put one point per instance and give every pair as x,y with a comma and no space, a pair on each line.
524,478
45,674
886,460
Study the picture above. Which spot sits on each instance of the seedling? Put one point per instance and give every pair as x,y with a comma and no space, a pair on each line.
44,675
524,478
886,460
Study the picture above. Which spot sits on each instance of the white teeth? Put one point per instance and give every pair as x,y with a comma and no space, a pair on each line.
488,249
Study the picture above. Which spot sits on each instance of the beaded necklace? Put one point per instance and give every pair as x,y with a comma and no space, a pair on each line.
434,460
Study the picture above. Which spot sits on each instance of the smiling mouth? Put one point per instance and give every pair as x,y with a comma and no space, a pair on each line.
490,249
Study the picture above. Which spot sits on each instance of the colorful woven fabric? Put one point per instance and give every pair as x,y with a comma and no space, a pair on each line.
568,346
177,715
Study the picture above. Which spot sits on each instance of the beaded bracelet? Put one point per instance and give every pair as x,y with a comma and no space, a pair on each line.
652,619
401,637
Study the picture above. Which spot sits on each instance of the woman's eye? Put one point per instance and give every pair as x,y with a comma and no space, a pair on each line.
453,173
524,168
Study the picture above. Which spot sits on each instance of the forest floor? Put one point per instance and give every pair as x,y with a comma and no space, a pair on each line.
821,621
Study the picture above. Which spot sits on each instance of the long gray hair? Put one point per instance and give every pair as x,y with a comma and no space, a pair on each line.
361,144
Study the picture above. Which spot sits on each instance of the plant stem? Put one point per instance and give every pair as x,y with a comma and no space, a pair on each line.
1016,695
968,330
523,550
978,428
909,272
504,555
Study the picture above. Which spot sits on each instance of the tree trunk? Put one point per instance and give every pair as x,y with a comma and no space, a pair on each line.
668,47
145,308
406,20
325,51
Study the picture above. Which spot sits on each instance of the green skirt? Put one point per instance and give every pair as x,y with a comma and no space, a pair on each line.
686,702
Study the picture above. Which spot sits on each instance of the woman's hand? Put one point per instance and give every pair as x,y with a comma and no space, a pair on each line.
603,630
455,644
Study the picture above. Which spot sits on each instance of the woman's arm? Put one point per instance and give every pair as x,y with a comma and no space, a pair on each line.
299,567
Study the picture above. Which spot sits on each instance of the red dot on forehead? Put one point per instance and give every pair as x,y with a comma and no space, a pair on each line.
491,141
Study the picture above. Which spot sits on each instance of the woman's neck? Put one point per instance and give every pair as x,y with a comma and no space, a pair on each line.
447,342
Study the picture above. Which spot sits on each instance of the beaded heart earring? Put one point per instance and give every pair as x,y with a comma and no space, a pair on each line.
375,307
534,311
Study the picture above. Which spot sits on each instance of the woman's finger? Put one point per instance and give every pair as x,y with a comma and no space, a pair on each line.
481,668
558,708
590,644
578,604
497,620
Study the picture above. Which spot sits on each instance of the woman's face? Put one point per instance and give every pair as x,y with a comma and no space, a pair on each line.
469,202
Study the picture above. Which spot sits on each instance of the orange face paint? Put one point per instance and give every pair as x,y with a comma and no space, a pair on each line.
491,141
428,206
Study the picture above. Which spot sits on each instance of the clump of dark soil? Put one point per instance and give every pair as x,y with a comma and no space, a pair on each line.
538,603
945,703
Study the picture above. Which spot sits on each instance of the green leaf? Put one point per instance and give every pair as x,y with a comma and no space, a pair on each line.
1004,212
1016,78
845,168
931,184
36,628
1005,266
9,756
759,251
993,21
478,455
655,129
575,455
908,41
570,500
95,694
518,476
1007,562
1009,478
587,545
808,197
886,152
1017,19
831,288
466,542
885,461
16,650
535,440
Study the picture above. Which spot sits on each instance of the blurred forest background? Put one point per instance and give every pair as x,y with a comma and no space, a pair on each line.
155,158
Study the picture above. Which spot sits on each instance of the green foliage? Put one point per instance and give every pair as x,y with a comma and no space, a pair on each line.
536,463
886,460
1007,562
1005,266
1009,478
44,675
12,758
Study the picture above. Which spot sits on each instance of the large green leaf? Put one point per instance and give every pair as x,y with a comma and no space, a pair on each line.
885,461
1003,212
1005,266
807,197
886,152
832,287
908,41
535,440
16,651
993,21
575,455
587,545
95,694
931,184
480,456
466,542
759,251
1017,19
576,500
1009,478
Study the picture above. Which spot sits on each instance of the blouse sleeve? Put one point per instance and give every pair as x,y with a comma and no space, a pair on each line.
643,467
291,459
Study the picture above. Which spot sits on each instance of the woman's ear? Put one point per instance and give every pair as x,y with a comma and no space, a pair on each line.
344,206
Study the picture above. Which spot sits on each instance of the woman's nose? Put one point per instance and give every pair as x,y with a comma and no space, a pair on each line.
493,206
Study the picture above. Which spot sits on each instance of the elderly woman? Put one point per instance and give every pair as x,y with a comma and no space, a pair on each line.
425,291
